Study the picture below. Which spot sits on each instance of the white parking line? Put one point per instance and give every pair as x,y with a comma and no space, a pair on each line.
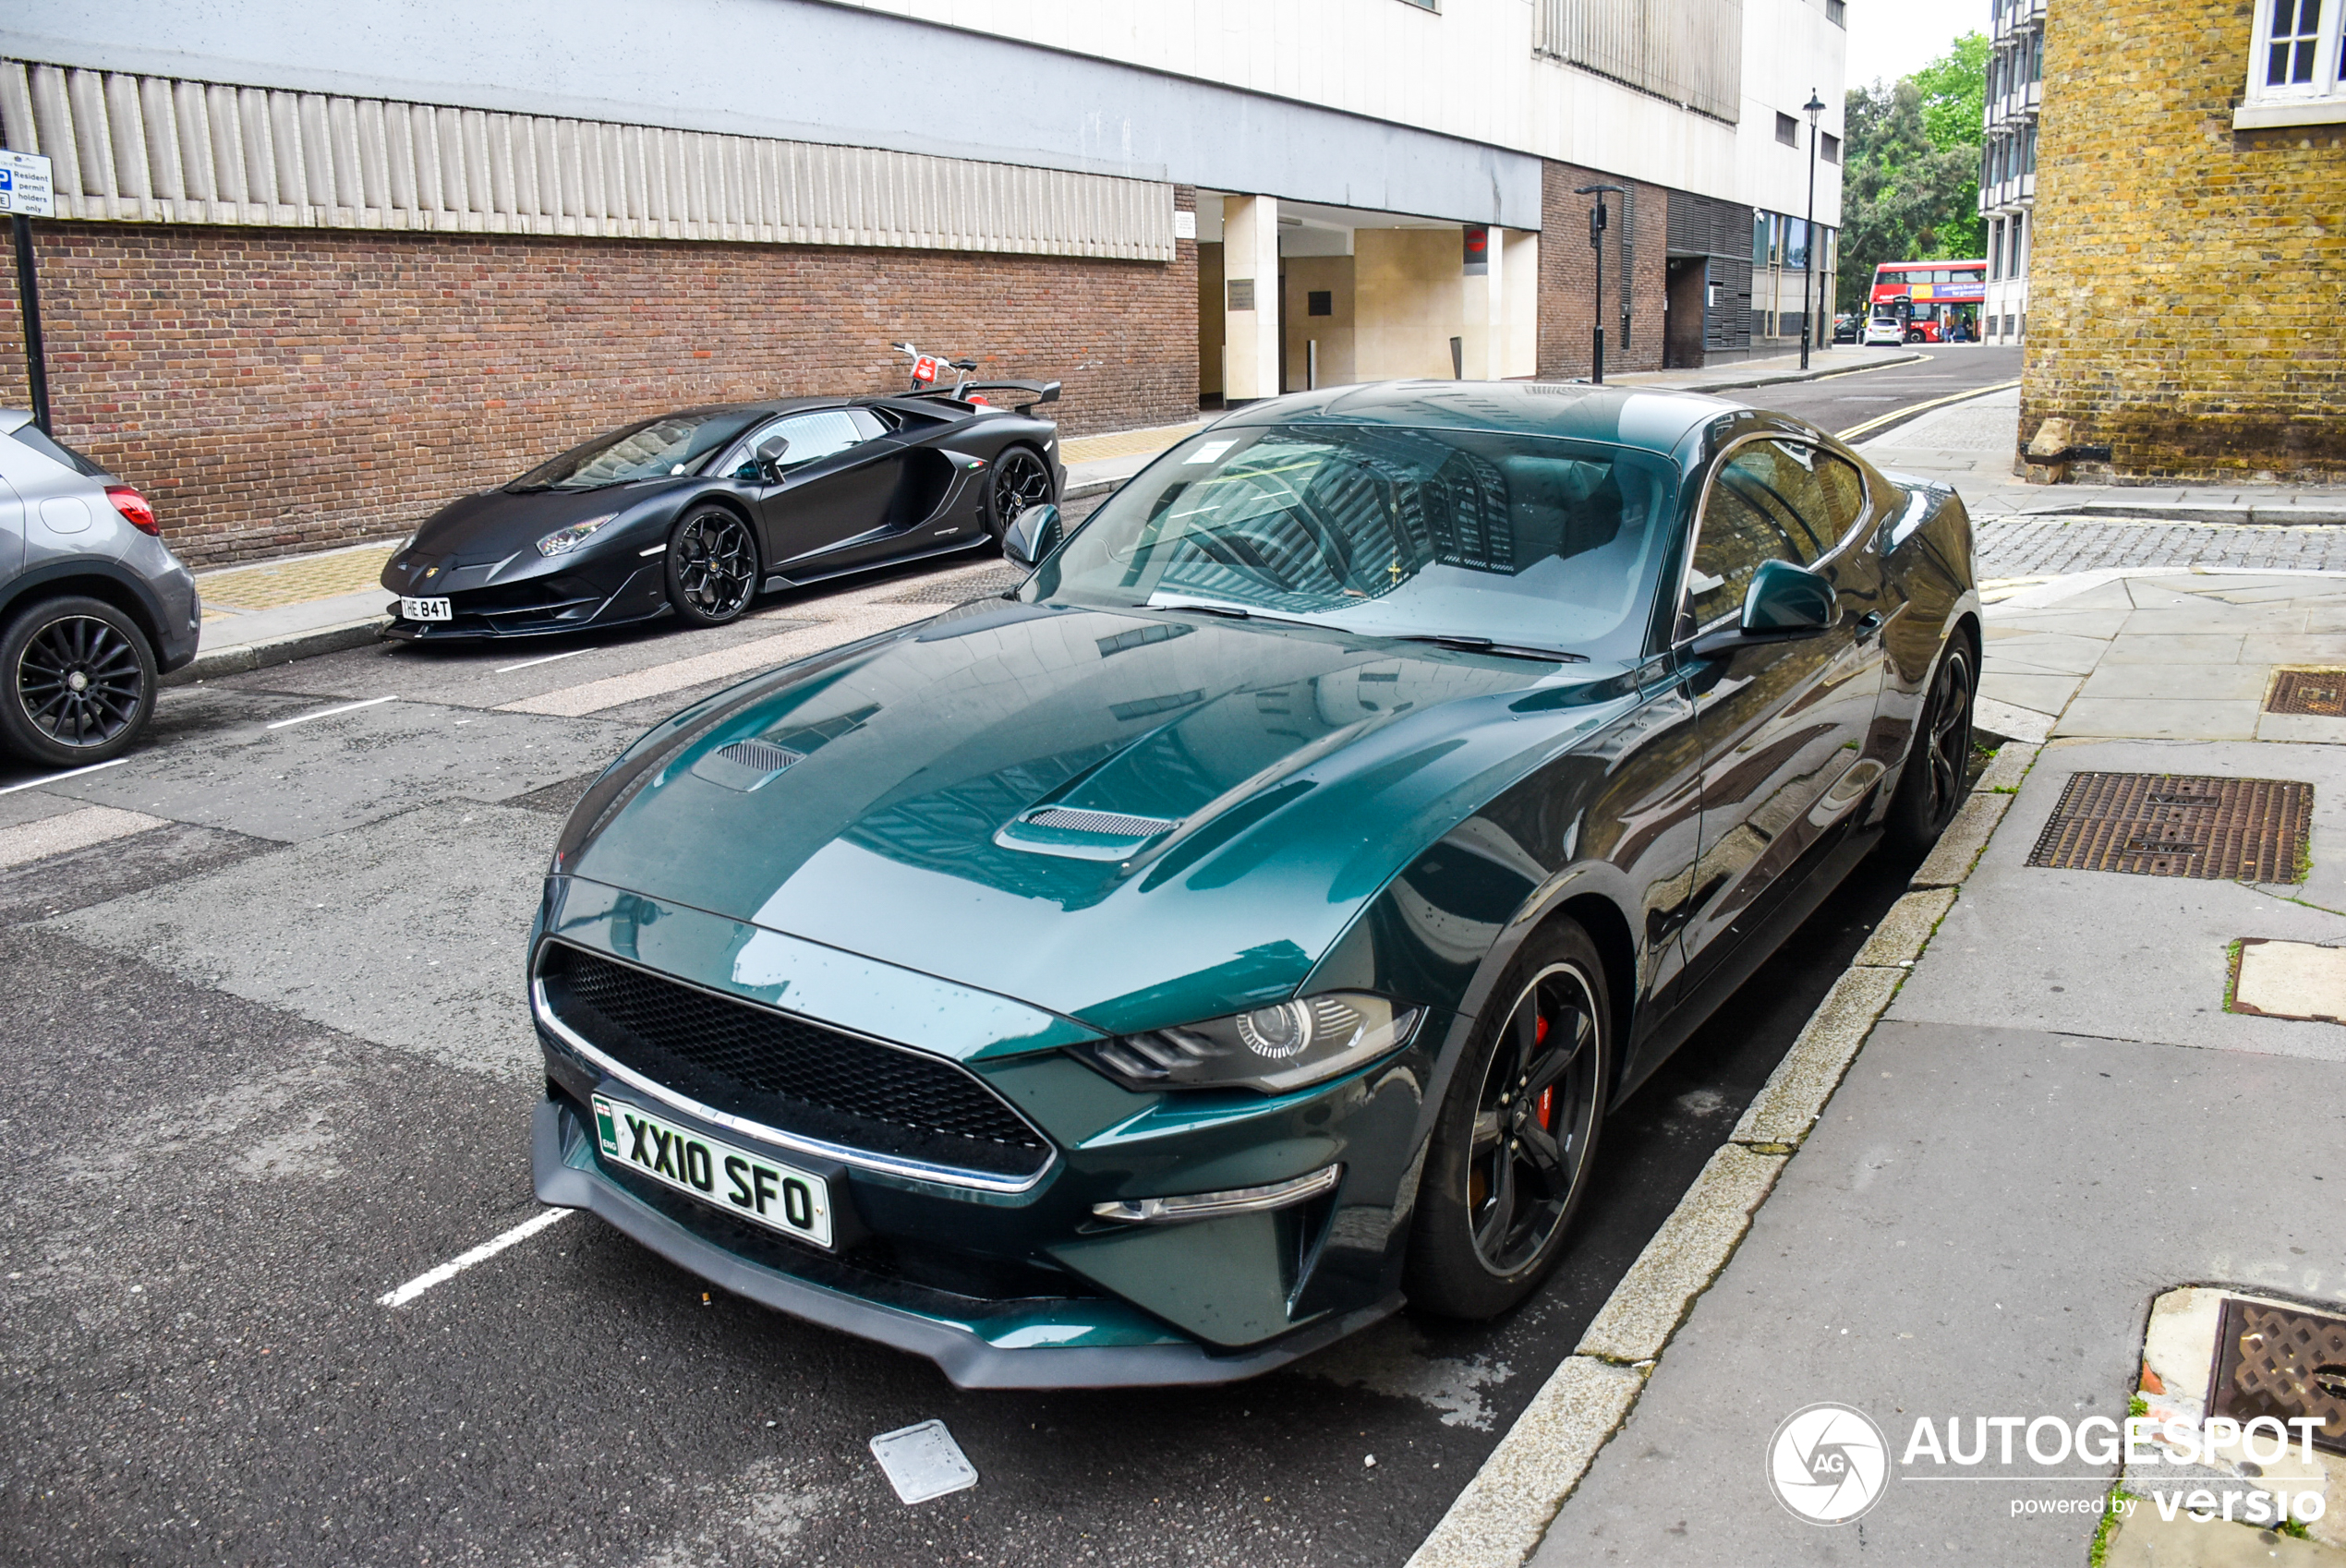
68,773
329,712
480,1254
534,663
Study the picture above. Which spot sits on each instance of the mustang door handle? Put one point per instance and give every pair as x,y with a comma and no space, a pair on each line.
1869,624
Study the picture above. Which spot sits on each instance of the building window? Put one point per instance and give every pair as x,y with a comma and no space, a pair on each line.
1829,148
1424,5
2296,61
1995,248
1837,12
1787,130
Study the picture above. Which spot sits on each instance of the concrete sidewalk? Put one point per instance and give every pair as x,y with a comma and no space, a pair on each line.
1971,446
2062,1144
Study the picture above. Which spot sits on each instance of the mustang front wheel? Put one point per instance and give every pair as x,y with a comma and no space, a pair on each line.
1512,1147
712,566
80,682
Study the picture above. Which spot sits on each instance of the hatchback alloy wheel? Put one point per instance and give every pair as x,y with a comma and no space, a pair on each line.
81,681
713,566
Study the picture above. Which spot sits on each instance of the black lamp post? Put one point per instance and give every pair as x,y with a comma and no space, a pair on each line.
1597,223
1814,107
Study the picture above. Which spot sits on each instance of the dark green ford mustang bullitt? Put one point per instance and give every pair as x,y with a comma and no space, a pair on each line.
1242,928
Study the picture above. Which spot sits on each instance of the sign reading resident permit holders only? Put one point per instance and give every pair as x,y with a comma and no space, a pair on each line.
24,185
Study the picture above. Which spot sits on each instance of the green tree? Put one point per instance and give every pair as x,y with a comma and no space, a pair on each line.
1910,168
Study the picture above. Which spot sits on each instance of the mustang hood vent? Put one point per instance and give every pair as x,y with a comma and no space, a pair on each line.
1083,835
746,765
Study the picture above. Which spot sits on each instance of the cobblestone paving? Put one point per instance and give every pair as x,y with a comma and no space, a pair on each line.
2049,546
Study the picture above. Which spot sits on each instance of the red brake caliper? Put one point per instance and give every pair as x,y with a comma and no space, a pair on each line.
1546,1108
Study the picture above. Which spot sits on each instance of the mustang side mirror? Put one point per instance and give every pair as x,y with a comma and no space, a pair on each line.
1031,534
1784,602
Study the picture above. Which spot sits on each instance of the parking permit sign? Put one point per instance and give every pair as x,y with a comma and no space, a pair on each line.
24,185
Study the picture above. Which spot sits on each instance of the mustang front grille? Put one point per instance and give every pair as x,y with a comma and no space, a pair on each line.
789,1073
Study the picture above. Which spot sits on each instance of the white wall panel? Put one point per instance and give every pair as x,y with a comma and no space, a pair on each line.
130,148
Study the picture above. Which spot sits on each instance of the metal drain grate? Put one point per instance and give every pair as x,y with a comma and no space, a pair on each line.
2282,1364
2318,692
2178,824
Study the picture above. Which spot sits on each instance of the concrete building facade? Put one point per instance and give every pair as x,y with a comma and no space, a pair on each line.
2189,246
317,269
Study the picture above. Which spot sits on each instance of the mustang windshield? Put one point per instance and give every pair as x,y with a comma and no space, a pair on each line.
674,443
1524,541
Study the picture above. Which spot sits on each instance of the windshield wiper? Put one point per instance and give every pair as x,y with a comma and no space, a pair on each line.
1234,612
1484,645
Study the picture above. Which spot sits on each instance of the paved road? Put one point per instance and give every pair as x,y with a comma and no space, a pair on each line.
1839,403
268,1059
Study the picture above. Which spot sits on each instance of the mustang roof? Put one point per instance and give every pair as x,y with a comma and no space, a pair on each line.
1652,417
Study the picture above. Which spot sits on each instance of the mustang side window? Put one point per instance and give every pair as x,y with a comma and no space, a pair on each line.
1748,519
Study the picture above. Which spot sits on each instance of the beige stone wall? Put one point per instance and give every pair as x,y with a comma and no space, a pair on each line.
1410,303
1333,331
2188,285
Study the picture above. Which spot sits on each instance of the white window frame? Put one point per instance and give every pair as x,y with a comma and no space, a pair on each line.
2319,101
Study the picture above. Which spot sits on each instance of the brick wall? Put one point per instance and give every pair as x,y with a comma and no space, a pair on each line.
1567,274
278,391
2187,289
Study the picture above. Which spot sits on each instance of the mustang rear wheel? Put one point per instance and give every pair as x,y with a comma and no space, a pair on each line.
1930,790
1020,479
1512,1145
712,566
79,683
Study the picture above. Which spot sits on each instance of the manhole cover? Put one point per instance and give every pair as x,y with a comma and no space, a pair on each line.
2178,824
2317,692
2280,1363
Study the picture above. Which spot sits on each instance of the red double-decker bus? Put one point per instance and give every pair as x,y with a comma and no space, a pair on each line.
1923,301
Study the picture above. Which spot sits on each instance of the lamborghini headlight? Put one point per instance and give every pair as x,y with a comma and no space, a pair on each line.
561,541
1286,1046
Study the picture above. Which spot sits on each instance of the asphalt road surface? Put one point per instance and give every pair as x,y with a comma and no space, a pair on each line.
1837,403
266,1059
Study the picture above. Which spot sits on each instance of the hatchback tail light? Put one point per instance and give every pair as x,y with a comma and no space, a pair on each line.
133,509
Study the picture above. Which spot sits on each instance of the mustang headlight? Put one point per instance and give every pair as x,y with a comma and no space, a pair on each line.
1286,1046
561,541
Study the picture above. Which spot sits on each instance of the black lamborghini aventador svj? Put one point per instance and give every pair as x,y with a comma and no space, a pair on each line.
698,511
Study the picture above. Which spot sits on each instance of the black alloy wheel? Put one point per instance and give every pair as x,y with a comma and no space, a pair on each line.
1932,786
1020,479
712,566
80,682
1514,1143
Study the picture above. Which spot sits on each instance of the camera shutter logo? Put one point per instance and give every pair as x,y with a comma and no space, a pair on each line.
1827,1464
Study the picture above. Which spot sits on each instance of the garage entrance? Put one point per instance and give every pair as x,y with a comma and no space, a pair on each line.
1293,296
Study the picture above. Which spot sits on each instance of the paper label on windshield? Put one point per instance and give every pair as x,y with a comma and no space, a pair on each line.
1210,452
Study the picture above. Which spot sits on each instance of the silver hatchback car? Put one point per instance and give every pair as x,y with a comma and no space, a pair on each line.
93,608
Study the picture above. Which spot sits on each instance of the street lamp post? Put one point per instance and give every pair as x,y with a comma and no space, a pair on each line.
1597,221
1814,107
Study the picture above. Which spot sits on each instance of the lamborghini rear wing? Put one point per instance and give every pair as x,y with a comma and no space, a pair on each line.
1039,391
